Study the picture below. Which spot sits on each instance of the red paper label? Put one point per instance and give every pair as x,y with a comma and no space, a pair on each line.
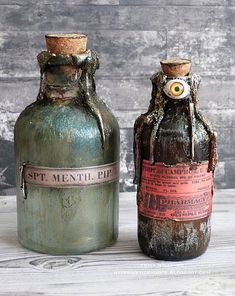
180,192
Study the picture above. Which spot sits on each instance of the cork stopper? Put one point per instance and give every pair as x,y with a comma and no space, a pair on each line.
176,67
66,43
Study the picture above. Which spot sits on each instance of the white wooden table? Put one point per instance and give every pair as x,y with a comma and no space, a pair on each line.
121,269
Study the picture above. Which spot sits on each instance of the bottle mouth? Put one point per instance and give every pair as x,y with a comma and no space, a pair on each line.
66,43
176,66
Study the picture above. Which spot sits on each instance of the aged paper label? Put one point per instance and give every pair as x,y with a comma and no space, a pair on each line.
71,177
180,192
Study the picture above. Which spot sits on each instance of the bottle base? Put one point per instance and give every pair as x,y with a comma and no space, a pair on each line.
173,240
53,251
171,257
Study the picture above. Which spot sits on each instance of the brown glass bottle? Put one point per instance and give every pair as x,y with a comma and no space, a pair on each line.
175,156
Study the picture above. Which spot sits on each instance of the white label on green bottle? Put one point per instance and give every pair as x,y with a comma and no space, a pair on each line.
71,177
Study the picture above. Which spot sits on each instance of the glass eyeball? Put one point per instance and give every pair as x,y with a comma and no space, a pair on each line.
176,89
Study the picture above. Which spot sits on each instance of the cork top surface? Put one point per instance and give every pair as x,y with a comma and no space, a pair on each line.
66,43
66,35
175,61
176,66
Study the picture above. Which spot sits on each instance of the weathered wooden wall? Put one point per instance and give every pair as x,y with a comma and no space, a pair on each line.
131,36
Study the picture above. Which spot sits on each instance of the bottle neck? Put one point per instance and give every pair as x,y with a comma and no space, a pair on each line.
61,82
67,76
177,104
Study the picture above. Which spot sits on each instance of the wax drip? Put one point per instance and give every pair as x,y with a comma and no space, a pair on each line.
88,83
87,63
43,59
192,128
194,82
152,117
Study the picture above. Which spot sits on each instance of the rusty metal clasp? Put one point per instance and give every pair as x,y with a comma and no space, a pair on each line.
22,181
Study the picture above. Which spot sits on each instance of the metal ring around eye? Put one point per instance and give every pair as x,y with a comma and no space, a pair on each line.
176,89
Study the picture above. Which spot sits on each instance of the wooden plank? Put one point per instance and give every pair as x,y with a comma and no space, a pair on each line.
210,50
177,3
7,167
126,161
125,2
16,94
63,16
71,16
121,269
61,2
186,18
121,52
126,54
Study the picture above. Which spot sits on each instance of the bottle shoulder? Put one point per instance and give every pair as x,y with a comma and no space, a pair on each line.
67,112
71,131
107,112
172,137
175,121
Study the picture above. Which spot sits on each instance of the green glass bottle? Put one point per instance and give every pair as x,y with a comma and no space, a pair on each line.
67,156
